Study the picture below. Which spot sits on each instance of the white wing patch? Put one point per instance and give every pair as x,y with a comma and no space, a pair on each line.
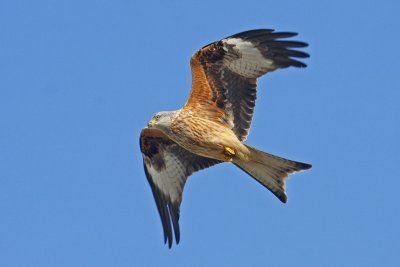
171,178
251,63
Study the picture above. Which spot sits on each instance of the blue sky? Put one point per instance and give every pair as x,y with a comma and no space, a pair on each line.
79,79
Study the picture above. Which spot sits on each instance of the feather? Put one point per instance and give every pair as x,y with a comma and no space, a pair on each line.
167,167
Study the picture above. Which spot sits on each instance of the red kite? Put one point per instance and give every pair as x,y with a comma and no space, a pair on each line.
215,121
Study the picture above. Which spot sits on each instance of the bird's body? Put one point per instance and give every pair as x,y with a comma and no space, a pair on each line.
213,124
186,130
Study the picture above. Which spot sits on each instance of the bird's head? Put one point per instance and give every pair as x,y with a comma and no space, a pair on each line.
162,120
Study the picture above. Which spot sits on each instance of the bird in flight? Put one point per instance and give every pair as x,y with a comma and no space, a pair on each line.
213,124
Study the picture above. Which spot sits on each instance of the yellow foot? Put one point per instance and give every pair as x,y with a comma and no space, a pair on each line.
229,153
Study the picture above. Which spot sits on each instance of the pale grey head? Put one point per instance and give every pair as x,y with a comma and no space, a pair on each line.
162,120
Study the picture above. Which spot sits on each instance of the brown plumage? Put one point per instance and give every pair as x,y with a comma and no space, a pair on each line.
215,121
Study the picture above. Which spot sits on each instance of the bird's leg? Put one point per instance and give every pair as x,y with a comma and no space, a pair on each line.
229,153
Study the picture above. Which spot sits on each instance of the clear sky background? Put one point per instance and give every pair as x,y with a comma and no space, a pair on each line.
79,79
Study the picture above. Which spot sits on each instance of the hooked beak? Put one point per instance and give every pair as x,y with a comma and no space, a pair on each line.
152,123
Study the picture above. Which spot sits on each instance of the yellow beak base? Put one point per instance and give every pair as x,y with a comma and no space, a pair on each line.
152,123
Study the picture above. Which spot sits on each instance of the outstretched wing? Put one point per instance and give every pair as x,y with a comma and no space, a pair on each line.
167,166
224,74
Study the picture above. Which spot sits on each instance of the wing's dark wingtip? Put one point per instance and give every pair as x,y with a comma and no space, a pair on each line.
278,35
280,195
285,62
306,166
251,33
274,46
299,64
163,212
174,215
268,34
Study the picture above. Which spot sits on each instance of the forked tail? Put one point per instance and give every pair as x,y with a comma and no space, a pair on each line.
271,171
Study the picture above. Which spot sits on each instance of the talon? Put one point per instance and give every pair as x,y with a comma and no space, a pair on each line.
229,152
228,159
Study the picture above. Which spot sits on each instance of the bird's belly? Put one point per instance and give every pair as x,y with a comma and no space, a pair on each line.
205,138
